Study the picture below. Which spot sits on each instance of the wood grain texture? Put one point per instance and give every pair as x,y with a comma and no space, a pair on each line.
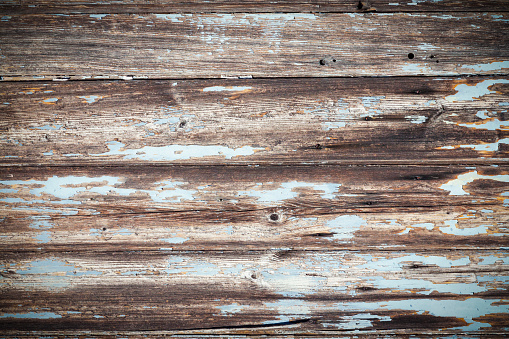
400,120
229,6
211,208
257,45
342,291
254,169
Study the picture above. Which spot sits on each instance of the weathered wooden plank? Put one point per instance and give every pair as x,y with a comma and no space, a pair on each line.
331,120
221,207
258,45
228,6
454,290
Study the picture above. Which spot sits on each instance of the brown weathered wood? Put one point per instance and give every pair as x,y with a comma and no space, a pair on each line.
211,208
332,120
451,290
258,45
229,6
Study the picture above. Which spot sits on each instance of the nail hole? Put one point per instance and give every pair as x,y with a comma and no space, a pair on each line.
431,56
220,199
104,228
322,62
274,217
333,60
318,146
369,203
360,5
253,276
411,55
182,124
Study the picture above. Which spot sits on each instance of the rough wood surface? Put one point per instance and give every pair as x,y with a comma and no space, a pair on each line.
260,6
358,188
211,208
257,45
314,121
460,290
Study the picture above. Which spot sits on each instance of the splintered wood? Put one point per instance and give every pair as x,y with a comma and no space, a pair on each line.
245,168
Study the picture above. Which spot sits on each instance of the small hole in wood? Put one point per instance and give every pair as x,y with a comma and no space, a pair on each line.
182,124
431,56
360,5
104,228
333,60
415,266
274,217
253,276
220,199
322,62
318,146
369,203
411,55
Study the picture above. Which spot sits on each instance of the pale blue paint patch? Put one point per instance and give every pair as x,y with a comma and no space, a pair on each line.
231,309
503,104
426,287
98,316
48,153
452,228
8,190
43,237
90,99
493,279
494,66
50,127
227,89
492,124
345,226
455,186
492,260
396,264
98,16
486,211
327,126
6,18
289,190
31,315
466,92
50,100
176,152
357,321
467,309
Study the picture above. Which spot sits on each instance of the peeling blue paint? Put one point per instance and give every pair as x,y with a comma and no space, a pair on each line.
466,92
455,186
31,315
176,152
289,190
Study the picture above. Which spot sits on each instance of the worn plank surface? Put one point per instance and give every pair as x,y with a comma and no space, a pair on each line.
335,120
352,183
321,290
258,45
212,208
260,6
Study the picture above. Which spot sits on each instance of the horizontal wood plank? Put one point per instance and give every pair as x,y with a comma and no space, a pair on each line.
221,207
411,120
257,45
229,6
465,291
